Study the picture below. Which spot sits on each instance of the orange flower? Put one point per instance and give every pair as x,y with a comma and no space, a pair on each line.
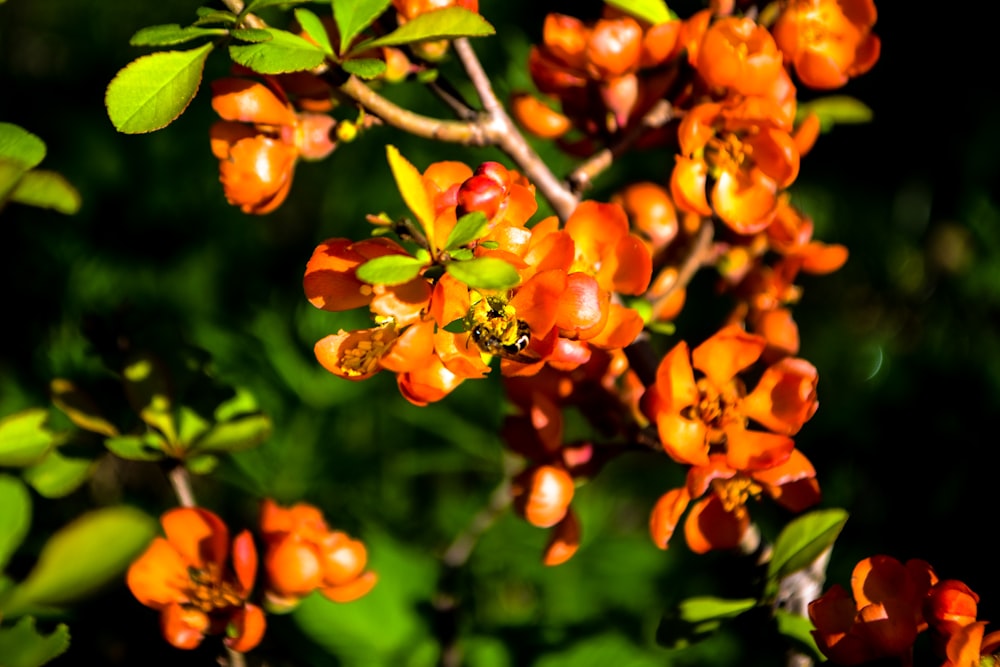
304,555
828,41
739,54
185,577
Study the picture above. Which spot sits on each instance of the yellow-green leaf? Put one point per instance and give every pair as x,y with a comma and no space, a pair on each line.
22,146
487,273
651,11
314,28
80,408
23,646
353,16
411,185
46,189
15,516
24,440
284,52
56,475
448,23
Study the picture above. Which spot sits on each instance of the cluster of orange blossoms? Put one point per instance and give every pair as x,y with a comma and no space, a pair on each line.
559,310
892,604
187,575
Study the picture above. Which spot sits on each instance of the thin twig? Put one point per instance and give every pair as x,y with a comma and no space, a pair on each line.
693,260
179,479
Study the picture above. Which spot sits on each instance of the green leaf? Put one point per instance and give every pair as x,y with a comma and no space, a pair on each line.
448,23
24,440
23,646
148,447
353,16
148,392
696,618
21,146
390,269
314,28
15,516
11,173
80,408
170,34
799,629
236,435
46,189
488,273
190,426
410,183
650,11
82,556
152,91
201,465
469,228
211,15
835,110
803,540
243,402
251,35
366,68
285,52
257,5
57,475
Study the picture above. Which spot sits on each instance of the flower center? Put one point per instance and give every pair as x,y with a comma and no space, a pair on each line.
727,153
718,408
209,592
363,357
734,493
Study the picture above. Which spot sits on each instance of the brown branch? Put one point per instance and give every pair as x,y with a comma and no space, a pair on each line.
697,252
251,20
181,484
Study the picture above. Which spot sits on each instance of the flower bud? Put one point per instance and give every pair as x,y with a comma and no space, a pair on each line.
480,193
543,494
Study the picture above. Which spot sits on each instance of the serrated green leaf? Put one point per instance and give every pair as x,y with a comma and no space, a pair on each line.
15,516
257,5
21,146
46,189
469,228
152,91
799,629
80,408
313,27
83,556
23,646
24,440
285,52
486,273
56,475
410,183
696,618
236,435
390,270
653,12
366,68
448,23
353,16
251,35
148,447
835,110
803,540
171,34
211,15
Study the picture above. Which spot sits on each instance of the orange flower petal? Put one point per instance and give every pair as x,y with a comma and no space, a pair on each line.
247,627
666,514
198,535
564,540
687,185
683,439
756,450
183,627
245,560
726,353
708,526
785,397
353,590
159,576
251,102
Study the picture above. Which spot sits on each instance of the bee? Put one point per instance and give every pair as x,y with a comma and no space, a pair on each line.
496,332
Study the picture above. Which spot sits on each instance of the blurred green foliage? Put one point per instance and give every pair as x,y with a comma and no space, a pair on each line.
904,336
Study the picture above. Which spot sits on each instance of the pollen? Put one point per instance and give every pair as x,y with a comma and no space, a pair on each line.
209,592
735,492
363,357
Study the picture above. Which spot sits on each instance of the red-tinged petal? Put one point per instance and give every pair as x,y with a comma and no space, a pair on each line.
353,590
865,56
833,616
330,282
538,300
785,397
223,134
583,307
675,379
257,174
697,127
245,560
250,102
756,450
708,526
428,384
159,576
542,494
951,604
666,514
700,477
622,328
564,540
807,133
880,579
727,352
687,186
819,70
247,627
198,535
775,154
965,646
630,267
183,627
746,202
521,205
685,440
889,628
566,38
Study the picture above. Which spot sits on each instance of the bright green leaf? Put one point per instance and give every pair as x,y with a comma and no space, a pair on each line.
15,516
410,184
468,229
148,391
650,11
251,35
696,618
314,28
233,436
46,189
366,68
84,555
448,23
24,440
257,5
201,465
152,91
80,408
353,16
190,426
799,629
461,254
56,475
835,110
390,269
211,16
704,608
23,646
243,402
803,540
21,146
170,34
148,447
285,52
11,173
488,273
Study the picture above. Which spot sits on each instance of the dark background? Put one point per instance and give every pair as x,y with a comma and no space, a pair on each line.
904,337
